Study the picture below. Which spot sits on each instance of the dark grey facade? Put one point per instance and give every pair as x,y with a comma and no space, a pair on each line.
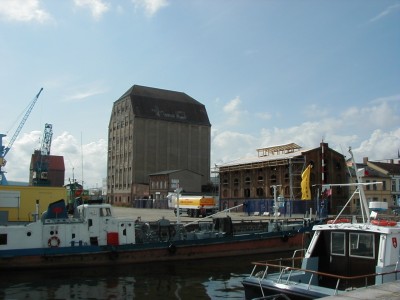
162,183
152,130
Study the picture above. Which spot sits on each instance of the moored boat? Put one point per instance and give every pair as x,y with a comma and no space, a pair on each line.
94,236
344,254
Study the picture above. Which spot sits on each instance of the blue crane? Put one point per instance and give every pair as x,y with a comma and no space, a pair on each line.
4,150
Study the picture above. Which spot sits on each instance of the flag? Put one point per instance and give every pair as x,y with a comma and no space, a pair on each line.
362,172
326,191
305,184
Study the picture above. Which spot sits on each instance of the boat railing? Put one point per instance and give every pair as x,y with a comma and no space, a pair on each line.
227,211
285,272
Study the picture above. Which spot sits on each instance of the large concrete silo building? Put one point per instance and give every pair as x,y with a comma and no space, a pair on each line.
153,130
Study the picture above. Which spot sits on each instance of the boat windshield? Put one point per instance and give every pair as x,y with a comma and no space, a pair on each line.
362,245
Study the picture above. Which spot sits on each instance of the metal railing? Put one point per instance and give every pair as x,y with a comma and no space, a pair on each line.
286,268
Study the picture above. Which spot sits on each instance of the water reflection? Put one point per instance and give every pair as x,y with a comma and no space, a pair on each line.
201,279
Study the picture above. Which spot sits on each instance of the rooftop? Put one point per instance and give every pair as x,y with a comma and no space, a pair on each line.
154,103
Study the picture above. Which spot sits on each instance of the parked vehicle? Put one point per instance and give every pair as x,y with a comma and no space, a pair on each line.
193,206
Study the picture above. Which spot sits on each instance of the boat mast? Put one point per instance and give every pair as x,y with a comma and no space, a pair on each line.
360,189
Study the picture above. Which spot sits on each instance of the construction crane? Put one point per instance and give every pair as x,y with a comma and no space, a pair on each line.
41,165
4,150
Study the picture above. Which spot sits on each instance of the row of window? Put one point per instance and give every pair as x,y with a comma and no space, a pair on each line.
159,184
260,179
394,188
118,140
119,186
360,244
120,157
375,186
259,192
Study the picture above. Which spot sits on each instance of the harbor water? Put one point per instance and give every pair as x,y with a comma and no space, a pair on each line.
218,278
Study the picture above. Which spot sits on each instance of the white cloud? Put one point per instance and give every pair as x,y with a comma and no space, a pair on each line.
83,94
91,156
392,98
230,145
19,157
315,111
96,7
23,11
263,115
386,12
379,145
234,113
371,131
76,93
150,7
372,116
232,106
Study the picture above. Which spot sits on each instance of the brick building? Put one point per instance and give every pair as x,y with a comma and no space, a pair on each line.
254,178
390,169
160,183
46,170
374,192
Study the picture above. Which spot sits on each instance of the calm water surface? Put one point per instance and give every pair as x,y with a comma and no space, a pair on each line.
201,279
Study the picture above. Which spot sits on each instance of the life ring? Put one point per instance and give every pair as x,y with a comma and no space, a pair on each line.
384,223
53,242
337,221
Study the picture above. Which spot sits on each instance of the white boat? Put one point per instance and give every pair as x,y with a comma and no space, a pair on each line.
343,255
94,236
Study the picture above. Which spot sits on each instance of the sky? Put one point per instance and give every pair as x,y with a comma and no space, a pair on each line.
269,73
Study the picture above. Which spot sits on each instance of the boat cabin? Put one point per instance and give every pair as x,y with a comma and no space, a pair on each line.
341,257
91,225
351,250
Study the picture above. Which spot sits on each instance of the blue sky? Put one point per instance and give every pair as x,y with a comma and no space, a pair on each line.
268,72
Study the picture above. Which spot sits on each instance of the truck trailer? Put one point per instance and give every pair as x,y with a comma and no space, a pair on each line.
193,206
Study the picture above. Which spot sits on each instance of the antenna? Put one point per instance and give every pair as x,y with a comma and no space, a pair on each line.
82,158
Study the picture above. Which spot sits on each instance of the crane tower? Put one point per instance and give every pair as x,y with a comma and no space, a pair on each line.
41,166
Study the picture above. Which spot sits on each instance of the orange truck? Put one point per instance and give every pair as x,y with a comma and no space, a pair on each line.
194,206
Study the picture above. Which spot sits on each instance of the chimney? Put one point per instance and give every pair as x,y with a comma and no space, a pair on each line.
365,160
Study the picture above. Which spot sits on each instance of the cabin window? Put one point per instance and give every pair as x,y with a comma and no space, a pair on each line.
3,239
105,212
338,243
362,245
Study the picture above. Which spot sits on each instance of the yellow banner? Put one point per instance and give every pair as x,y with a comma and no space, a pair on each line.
305,184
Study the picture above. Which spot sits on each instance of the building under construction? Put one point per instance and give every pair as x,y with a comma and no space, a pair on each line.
280,168
153,130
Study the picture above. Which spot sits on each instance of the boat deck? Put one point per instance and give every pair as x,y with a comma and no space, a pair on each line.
387,291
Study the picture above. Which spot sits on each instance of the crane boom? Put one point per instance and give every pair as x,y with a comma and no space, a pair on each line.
4,150
14,137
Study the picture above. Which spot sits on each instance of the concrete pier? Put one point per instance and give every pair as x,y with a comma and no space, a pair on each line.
386,291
